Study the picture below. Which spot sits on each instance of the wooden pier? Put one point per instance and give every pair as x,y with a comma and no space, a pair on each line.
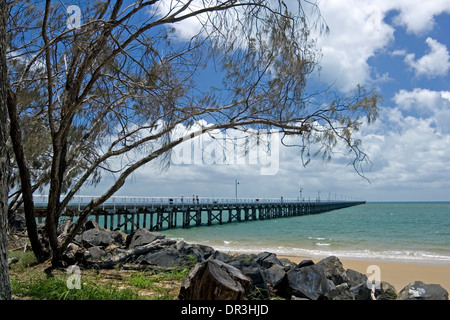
129,214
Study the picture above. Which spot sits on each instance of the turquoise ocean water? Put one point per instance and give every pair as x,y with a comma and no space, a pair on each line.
404,232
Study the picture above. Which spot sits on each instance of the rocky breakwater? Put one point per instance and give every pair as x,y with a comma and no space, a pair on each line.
218,275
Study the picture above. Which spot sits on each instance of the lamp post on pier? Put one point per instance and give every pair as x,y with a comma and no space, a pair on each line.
235,188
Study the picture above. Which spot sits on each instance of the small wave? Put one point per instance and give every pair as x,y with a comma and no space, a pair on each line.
322,244
226,242
177,238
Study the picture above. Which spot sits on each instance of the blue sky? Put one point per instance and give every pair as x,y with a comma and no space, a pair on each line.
401,48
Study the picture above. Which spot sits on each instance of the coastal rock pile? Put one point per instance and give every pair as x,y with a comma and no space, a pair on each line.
218,275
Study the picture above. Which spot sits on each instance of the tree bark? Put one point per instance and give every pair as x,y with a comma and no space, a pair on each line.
5,284
57,173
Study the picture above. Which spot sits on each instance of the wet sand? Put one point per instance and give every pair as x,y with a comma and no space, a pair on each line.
397,274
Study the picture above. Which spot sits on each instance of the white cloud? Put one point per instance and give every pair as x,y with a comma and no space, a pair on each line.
435,63
427,104
417,16
359,31
410,147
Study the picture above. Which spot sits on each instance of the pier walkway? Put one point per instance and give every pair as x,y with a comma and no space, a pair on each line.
131,213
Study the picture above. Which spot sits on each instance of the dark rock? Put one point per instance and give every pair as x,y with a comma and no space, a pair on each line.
385,291
215,280
197,251
278,281
287,264
244,257
254,271
308,282
258,279
164,258
267,260
94,237
305,263
142,237
418,290
17,221
95,253
73,254
356,278
119,238
326,279
358,285
361,292
218,255
339,292
275,275
135,255
334,270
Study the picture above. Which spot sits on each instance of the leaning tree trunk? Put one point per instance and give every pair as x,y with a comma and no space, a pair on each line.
5,284
25,179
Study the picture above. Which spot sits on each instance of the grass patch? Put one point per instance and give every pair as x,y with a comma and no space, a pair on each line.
29,281
164,285
26,259
55,288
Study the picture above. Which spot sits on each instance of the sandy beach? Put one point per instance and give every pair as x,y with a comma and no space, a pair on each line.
397,274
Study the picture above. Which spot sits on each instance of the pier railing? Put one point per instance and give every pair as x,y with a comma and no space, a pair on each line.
80,201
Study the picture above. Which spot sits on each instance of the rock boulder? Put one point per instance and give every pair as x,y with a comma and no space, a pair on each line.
94,237
385,291
142,237
215,280
308,282
418,290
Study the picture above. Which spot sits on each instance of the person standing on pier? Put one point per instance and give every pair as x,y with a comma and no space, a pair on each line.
197,200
